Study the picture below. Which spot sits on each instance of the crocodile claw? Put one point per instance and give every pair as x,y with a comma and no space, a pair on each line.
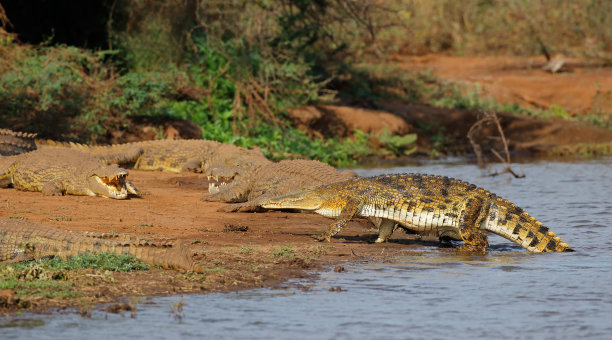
322,237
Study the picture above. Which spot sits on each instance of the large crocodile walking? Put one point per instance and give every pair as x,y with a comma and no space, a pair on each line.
23,240
58,171
272,179
423,203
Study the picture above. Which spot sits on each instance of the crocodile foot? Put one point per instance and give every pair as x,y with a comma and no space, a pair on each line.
322,237
241,207
468,248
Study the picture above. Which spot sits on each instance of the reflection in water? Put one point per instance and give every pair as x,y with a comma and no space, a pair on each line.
432,293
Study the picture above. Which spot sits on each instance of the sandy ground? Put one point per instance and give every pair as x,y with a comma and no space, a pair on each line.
237,250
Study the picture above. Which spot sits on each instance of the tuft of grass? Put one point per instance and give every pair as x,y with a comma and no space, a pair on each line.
245,250
285,251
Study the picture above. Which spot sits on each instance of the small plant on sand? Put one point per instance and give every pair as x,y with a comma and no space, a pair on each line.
245,250
285,251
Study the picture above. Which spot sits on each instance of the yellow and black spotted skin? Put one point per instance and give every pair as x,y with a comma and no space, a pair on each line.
424,203
61,171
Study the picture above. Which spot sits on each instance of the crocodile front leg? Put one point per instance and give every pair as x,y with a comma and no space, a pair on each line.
472,216
347,213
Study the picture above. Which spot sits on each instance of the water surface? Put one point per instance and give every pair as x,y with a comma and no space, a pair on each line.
507,293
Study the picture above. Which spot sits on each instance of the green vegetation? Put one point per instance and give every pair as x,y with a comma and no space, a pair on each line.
234,68
285,251
101,261
51,277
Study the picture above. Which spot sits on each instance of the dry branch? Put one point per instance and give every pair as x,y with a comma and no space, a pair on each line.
490,117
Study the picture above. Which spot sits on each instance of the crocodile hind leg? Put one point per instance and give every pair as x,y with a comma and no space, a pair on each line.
385,230
53,188
347,213
472,217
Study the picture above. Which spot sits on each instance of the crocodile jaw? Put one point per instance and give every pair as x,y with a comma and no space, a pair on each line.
112,187
304,200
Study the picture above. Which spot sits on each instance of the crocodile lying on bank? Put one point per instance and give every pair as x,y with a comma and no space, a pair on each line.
420,202
210,157
57,171
23,240
273,179
14,143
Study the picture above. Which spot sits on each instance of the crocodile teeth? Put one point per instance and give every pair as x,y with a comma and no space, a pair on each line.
212,188
116,187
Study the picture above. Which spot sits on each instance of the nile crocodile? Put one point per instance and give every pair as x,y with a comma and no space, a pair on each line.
211,157
273,179
23,240
14,143
57,171
423,203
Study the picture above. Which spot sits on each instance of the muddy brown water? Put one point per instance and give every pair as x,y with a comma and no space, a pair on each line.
507,293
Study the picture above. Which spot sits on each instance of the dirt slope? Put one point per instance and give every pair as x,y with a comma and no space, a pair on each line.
580,87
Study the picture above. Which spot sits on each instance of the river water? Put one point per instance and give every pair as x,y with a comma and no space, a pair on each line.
507,293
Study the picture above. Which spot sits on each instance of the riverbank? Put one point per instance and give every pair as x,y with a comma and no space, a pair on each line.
236,250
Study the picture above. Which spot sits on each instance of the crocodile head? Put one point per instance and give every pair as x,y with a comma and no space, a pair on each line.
315,199
110,181
229,161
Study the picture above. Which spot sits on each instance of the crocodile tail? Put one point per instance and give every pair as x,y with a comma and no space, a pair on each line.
511,222
168,256
14,143
43,143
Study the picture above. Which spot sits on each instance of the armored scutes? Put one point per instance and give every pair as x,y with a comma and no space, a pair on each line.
423,203
273,179
23,240
14,143
210,157
58,171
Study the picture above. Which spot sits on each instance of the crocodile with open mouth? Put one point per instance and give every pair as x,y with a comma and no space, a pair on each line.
58,171
218,160
210,157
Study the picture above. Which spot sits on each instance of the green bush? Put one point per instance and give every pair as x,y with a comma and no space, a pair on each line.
43,90
70,94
